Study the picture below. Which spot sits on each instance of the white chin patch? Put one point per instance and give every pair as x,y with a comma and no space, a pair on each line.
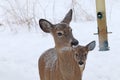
74,46
81,67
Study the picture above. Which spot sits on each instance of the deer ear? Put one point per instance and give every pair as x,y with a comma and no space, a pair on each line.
91,45
68,17
45,25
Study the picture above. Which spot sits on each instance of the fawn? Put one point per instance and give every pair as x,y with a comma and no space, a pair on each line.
81,52
60,63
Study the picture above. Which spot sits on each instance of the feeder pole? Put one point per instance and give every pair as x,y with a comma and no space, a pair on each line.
102,25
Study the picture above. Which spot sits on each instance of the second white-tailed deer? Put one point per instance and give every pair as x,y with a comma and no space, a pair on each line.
81,52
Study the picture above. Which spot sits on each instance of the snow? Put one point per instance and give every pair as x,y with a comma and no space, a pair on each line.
21,49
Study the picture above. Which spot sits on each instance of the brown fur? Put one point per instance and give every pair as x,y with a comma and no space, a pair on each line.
65,64
59,63
60,66
50,67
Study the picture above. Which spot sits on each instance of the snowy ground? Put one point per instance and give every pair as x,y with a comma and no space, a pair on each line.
19,52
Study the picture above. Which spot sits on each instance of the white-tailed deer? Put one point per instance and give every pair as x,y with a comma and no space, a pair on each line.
64,40
60,62
81,52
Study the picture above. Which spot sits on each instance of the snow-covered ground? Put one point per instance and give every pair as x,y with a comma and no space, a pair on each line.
19,52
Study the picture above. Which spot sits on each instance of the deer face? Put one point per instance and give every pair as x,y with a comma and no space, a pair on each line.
81,53
61,32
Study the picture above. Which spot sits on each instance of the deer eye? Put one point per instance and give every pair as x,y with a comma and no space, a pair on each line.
76,54
70,29
60,33
85,55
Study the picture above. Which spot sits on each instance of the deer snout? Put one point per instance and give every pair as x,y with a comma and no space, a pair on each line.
74,42
81,63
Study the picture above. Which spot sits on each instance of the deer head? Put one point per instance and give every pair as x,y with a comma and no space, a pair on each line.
61,32
81,53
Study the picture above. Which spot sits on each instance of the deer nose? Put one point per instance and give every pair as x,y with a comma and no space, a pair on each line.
80,63
74,42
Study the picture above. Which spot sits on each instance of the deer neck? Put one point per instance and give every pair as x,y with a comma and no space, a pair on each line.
67,65
66,57
62,49
66,60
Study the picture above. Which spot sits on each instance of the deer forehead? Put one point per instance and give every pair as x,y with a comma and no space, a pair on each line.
81,50
62,26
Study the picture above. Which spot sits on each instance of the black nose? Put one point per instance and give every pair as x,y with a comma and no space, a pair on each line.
74,42
80,63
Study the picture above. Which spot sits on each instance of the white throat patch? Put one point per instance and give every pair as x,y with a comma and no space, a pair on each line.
81,67
65,49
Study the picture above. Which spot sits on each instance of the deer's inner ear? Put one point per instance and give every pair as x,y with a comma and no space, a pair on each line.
45,25
91,45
